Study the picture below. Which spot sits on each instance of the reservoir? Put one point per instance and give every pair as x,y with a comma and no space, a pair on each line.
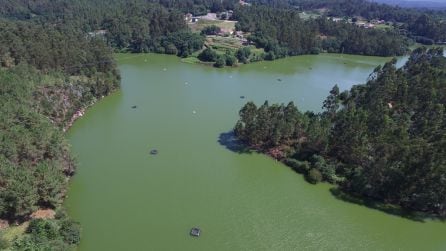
129,199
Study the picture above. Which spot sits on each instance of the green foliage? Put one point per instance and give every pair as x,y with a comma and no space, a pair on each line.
4,243
314,176
42,229
49,235
183,42
220,61
50,184
282,32
417,22
208,55
211,30
230,60
385,139
270,126
327,170
299,166
243,54
18,193
70,232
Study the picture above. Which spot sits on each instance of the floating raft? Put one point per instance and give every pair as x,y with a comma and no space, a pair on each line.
154,152
195,231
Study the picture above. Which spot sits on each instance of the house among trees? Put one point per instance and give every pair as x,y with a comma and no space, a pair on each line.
241,2
224,31
225,15
97,33
188,17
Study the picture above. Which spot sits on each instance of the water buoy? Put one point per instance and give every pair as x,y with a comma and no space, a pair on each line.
134,107
242,97
195,232
154,152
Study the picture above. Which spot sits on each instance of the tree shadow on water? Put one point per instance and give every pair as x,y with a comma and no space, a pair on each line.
384,207
230,142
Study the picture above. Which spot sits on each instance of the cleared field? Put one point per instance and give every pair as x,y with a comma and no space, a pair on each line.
223,24
384,27
223,43
307,15
13,232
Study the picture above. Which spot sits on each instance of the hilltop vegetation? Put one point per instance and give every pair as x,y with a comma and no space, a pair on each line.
420,24
384,140
42,85
56,60
282,32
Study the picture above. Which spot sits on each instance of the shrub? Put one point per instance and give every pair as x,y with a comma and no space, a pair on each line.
4,244
230,60
211,30
220,62
315,51
41,230
326,169
314,176
208,55
270,56
70,232
243,54
170,48
297,165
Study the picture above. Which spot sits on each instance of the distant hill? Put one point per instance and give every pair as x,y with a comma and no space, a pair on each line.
430,4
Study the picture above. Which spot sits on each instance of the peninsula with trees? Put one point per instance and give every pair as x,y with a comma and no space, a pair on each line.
383,140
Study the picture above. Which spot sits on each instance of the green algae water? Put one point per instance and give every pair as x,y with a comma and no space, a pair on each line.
128,199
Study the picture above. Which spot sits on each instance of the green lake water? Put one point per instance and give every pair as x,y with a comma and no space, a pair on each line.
127,199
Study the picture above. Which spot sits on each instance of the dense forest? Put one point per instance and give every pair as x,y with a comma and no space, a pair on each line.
42,86
385,139
135,26
282,32
159,26
56,60
421,24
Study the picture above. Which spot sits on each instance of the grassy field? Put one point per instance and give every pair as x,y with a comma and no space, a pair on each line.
223,24
13,232
309,14
191,60
383,27
223,43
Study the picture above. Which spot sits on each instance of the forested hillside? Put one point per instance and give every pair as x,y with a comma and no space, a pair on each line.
43,84
385,139
56,60
424,23
282,32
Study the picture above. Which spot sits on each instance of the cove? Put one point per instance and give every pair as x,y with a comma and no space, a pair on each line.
128,199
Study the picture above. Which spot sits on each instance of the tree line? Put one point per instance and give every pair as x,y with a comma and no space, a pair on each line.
384,140
47,74
423,25
282,32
